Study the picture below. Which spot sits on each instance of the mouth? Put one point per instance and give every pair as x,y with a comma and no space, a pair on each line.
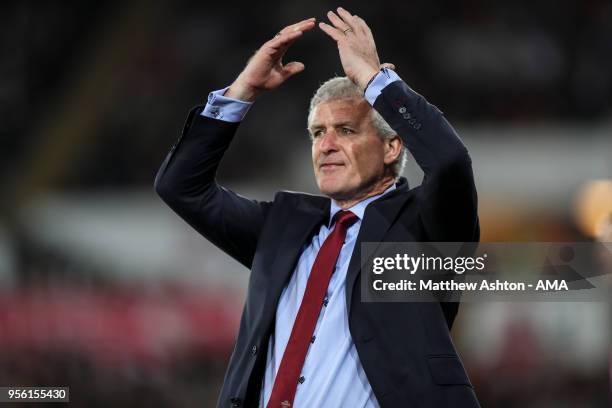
330,166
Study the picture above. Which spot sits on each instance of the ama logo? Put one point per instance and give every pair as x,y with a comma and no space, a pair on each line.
552,285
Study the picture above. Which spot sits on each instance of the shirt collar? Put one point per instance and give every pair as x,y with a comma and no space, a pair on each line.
359,208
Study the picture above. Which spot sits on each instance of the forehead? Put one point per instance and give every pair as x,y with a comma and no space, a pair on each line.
340,110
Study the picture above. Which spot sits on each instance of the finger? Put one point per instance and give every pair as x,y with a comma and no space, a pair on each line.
387,65
337,21
292,31
360,23
284,39
277,49
299,26
333,32
278,46
292,68
347,17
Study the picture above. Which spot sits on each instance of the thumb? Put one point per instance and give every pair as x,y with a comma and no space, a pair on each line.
292,68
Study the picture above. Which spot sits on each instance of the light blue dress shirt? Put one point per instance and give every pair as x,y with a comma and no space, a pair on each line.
332,375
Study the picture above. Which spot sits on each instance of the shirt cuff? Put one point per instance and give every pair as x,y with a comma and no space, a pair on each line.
381,80
224,108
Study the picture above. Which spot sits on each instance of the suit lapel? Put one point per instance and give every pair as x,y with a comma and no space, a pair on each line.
377,219
308,215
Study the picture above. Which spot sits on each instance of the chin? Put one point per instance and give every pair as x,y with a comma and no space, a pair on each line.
333,189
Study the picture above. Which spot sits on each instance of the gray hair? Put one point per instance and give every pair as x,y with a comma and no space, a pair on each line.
342,87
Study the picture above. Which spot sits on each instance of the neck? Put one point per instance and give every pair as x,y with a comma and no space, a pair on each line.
379,188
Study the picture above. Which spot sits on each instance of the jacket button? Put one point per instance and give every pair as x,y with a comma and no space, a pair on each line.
402,109
236,402
254,350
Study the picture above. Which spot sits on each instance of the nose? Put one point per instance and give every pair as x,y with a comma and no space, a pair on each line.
328,142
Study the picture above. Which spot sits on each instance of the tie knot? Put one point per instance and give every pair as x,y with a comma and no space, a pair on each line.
345,218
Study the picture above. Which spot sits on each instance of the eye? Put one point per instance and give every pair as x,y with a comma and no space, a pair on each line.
347,131
317,133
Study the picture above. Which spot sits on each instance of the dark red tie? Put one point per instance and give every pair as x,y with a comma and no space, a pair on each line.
285,384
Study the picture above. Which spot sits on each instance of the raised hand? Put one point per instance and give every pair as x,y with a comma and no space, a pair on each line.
355,45
265,70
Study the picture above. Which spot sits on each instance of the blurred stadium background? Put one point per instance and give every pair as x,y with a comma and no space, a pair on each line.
105,290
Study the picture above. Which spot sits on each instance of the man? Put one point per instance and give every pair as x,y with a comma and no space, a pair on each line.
306,339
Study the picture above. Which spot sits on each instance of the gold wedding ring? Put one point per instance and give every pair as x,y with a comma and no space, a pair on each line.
347,30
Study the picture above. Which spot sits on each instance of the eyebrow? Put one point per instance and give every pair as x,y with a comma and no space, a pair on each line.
337,125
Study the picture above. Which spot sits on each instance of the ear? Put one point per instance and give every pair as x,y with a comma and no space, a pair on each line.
393,148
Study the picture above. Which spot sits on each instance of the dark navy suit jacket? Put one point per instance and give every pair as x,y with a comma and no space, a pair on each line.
405,348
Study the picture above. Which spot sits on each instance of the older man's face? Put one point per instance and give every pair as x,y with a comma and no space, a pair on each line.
347,154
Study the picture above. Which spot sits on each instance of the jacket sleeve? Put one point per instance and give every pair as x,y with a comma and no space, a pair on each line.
447,197
186,183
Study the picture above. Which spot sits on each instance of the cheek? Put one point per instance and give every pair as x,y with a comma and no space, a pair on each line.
315,152
369,158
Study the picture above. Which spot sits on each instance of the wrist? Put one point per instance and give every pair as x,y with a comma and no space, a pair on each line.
241,92
367,79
